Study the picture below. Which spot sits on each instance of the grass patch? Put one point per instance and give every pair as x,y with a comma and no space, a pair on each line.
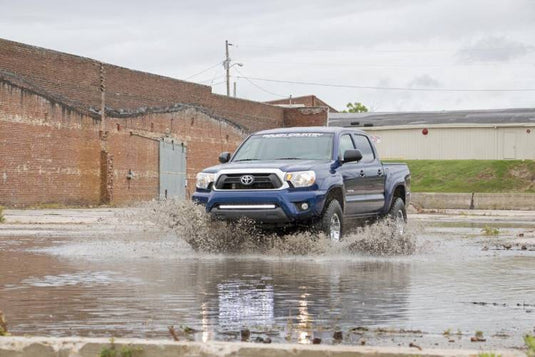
484,176
125,351
3,325
2,218
530,344
490,231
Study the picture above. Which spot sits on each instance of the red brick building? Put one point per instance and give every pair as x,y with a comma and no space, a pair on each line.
303,101
56,145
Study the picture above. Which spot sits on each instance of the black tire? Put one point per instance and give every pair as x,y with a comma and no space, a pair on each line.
332,221
398,215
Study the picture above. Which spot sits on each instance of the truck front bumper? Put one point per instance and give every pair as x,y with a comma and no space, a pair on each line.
273,206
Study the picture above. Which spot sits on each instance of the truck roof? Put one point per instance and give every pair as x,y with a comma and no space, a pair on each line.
309,129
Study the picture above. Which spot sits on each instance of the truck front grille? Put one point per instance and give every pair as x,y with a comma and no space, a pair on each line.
260,181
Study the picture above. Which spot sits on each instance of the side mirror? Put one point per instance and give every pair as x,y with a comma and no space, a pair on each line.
352,155
224,157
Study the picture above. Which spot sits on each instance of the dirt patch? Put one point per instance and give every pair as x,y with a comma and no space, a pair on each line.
522,172
486,174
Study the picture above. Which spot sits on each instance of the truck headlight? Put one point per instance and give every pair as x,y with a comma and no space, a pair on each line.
301,178
204,180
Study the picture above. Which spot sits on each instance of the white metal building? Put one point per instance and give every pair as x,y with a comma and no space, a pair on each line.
448,135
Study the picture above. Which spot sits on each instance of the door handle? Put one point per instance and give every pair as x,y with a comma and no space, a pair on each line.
362,174
379,172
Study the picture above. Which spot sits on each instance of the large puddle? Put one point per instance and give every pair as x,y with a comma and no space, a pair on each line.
92,281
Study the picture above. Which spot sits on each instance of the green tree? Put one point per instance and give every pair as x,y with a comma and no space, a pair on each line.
356,107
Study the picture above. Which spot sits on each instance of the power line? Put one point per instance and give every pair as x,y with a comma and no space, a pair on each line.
360,65
387,88
204,70
347,49
248,79
206,81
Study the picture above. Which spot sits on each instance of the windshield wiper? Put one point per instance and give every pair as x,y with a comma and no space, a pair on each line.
288,158
246,160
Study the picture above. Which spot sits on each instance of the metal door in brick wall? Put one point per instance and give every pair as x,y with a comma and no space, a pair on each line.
172,169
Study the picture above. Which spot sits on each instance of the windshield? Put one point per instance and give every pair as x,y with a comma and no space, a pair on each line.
286,146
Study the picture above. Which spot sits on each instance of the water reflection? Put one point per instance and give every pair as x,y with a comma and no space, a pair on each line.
142,297
139,296
310,295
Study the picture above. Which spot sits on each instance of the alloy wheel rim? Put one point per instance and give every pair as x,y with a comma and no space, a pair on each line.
335,228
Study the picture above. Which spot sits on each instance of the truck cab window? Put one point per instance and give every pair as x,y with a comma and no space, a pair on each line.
363,144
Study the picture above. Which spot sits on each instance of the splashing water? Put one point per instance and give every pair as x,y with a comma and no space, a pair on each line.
191,223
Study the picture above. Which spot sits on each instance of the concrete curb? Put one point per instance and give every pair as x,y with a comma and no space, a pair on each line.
90,347
482,201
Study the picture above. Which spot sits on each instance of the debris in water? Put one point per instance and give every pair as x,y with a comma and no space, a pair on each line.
359,330
262,340
316,341
245,334
173,333
478,337
188,330
412,344
338,336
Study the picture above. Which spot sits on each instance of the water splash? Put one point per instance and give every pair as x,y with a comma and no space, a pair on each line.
191,223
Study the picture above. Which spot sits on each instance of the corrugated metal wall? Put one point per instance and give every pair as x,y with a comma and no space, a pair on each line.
455,143
172,170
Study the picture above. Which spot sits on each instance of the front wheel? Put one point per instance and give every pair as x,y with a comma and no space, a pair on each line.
332,221
398,216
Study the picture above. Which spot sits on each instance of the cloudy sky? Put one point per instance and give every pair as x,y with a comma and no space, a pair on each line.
392,55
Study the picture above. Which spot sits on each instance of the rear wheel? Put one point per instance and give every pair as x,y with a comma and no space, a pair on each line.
332,221
398,216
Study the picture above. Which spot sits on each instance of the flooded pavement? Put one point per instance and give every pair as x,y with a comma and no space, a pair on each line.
101,273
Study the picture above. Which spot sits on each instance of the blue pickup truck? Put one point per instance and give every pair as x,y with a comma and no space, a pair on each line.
316,177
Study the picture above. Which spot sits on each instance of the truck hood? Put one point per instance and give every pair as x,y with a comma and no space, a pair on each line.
283,165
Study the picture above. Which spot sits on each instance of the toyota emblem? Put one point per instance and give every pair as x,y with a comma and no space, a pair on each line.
247,180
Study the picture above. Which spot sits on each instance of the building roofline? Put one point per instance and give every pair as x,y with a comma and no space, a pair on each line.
427,118
96,61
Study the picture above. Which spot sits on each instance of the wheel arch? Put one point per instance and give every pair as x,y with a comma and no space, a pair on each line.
337,193
399,191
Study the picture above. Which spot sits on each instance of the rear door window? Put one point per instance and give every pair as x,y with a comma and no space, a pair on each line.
363,144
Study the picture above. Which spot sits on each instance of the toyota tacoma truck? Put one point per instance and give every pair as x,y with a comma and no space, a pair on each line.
314,177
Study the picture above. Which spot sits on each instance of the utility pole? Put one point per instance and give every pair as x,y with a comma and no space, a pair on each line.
227,66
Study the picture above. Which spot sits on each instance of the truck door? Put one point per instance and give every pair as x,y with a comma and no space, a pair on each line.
350,175
371,189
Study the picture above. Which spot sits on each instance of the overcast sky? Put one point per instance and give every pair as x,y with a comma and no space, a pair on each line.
341,46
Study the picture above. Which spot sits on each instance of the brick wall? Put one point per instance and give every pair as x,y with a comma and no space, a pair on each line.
75,82
50,129
50,154
305,117
203,136
47,154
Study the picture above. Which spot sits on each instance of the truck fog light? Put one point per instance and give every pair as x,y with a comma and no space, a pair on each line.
304,206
